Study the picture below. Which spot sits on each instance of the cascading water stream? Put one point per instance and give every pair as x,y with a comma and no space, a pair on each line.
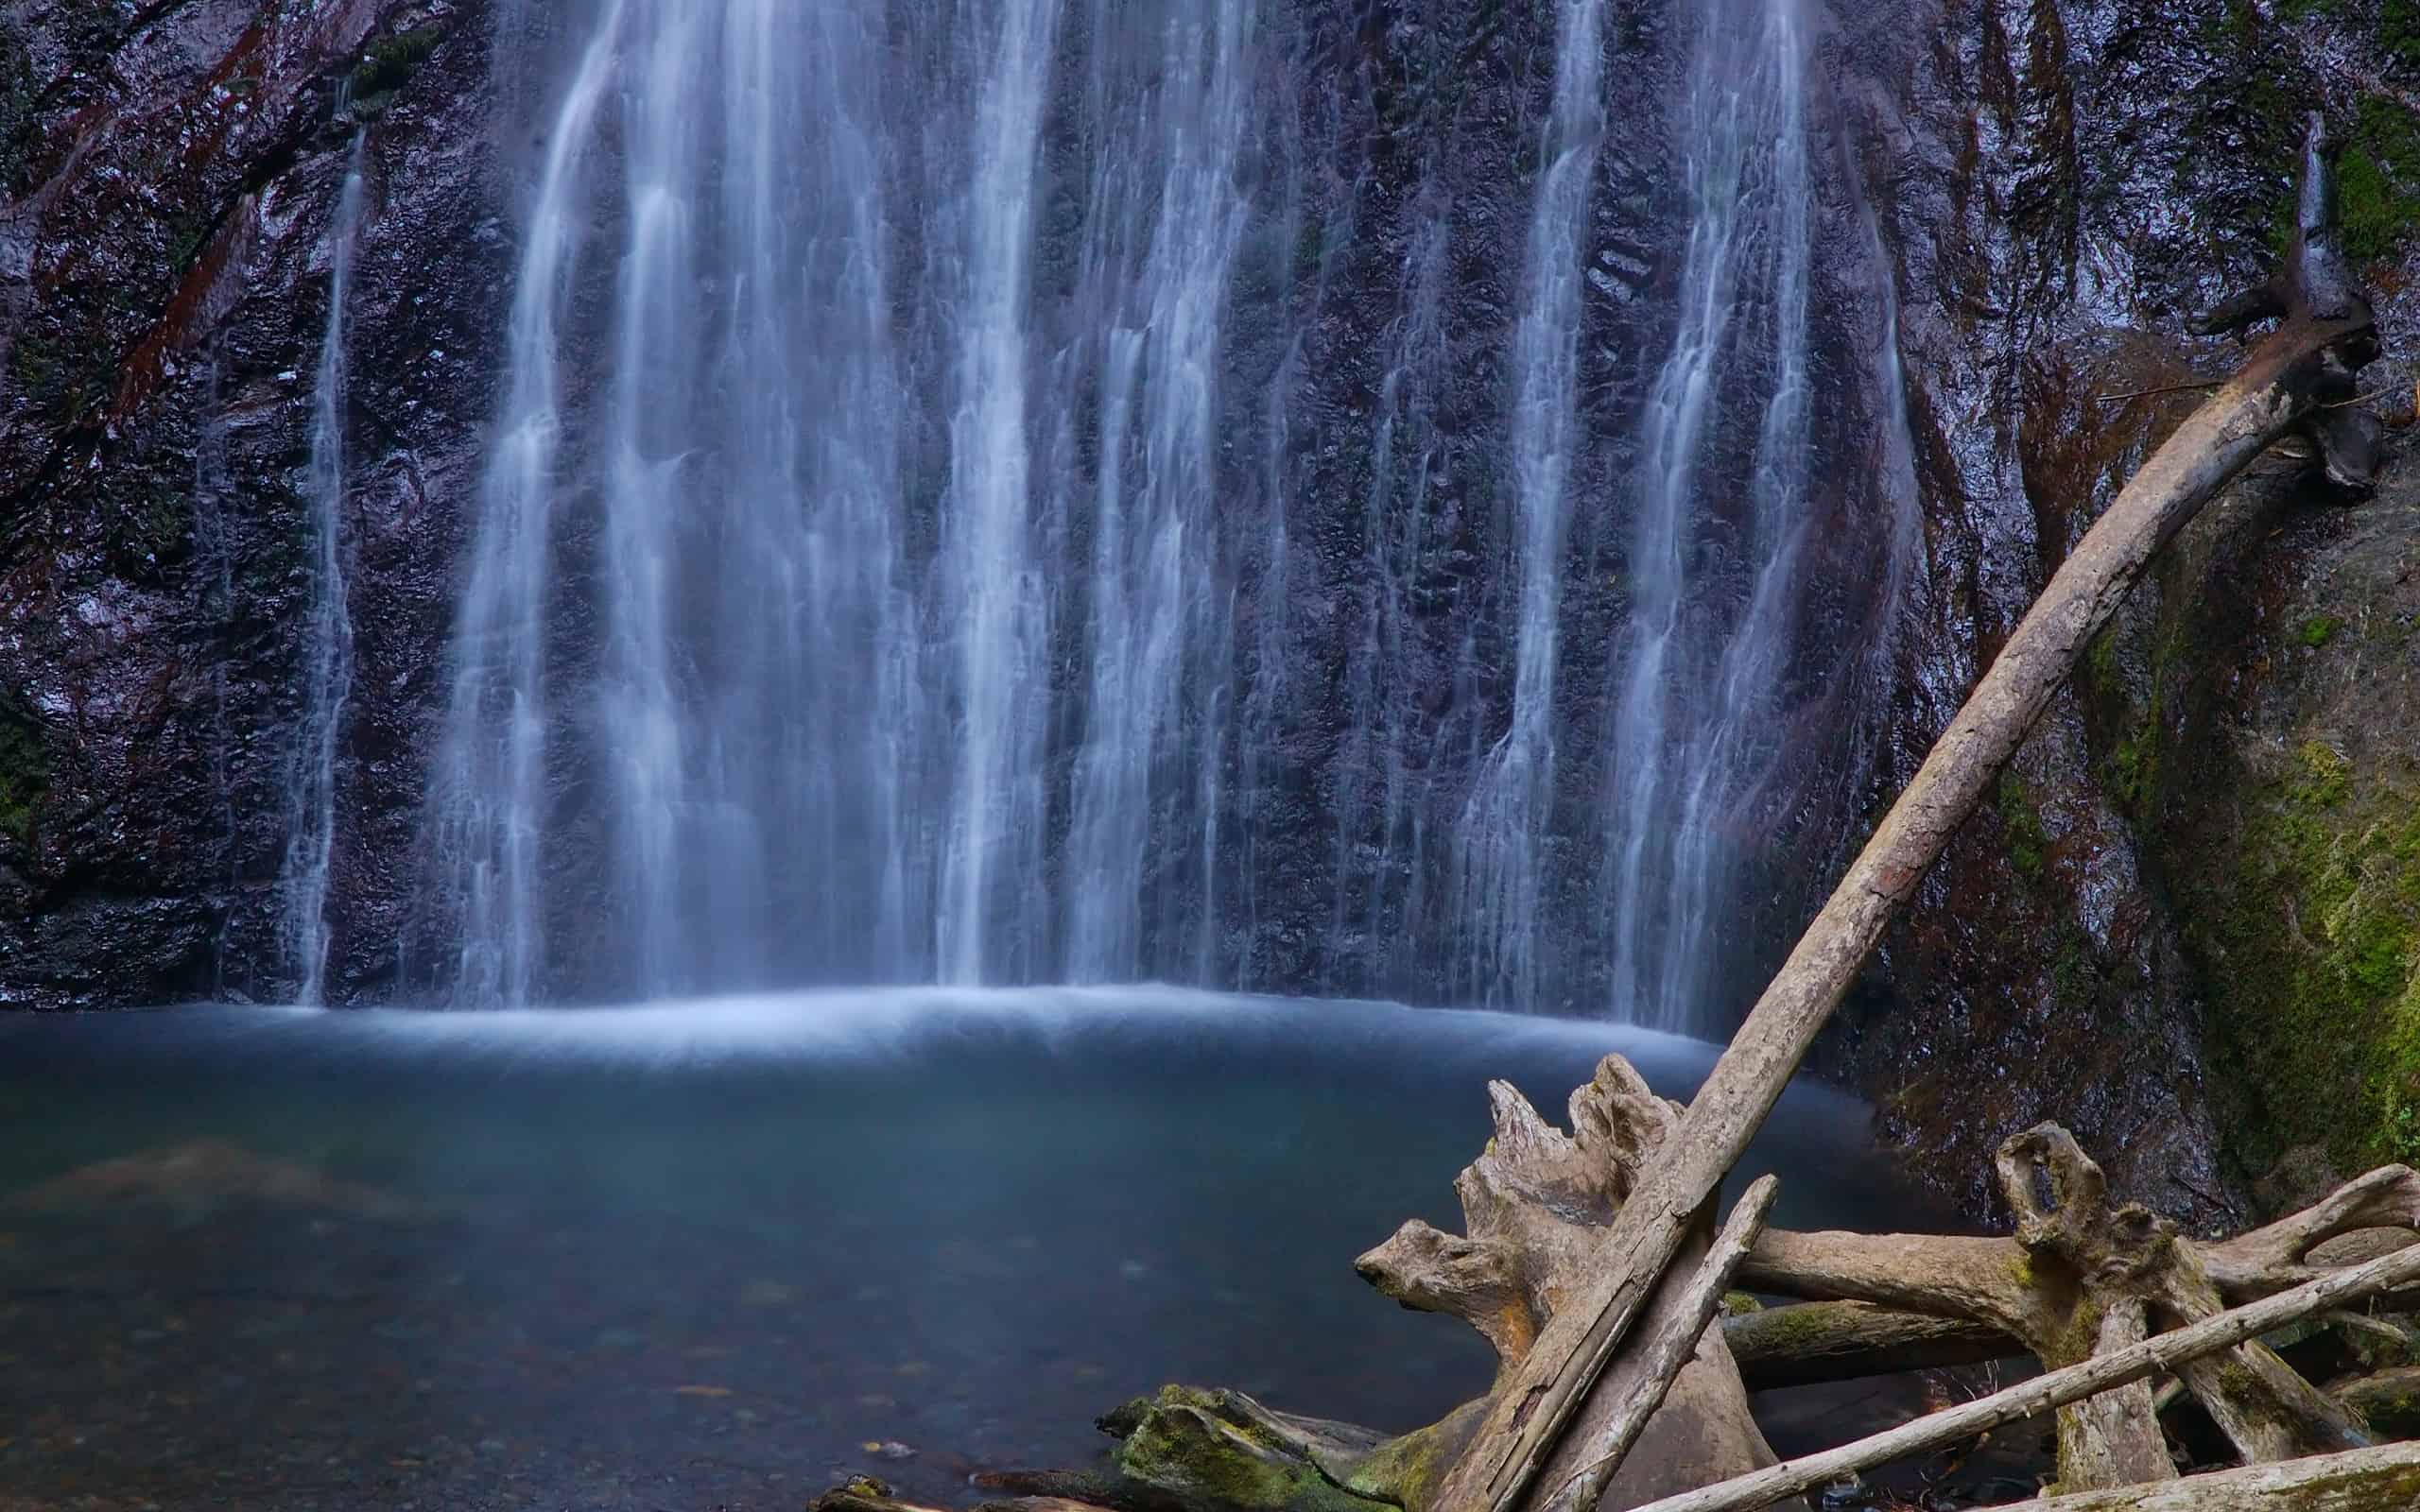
1503,829
990,574
1159,623
328,675
489,796
1701,658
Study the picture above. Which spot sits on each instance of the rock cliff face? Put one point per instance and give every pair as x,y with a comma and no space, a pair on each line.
2054,183
2066,183
167,175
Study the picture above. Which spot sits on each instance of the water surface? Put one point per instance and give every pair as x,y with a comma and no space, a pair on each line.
699,1254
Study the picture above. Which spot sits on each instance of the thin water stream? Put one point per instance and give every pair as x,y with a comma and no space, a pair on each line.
327,681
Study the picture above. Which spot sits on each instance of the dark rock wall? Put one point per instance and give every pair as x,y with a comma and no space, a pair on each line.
2052,184
167,175
2066,182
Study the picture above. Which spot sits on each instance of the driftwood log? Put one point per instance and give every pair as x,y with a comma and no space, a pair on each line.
2308,362
1535,1198
1534,1205
2099,1377
2362,1479
2080,1277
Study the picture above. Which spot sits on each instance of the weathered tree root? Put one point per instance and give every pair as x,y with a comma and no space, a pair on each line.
2080,1277
2134,1362
1536,1204
2080,1280
1885,1302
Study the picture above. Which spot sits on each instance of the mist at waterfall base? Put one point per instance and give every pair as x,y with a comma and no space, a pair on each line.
1052,490
703,1253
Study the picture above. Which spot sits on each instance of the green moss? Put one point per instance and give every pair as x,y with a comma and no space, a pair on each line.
1194,1444
2100,657
2129,775
2021,827
25,769
2377,179
1738,1304
2324,776
2399,29
2071,974
2318,630
2315,985
387,64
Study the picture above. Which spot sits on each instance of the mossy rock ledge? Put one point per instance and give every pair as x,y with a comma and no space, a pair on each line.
2259,717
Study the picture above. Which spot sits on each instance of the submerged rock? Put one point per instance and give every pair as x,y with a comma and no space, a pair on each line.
207,1173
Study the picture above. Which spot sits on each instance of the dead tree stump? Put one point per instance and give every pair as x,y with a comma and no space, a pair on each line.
1535,1205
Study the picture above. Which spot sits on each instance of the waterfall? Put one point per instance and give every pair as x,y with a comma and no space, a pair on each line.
1504,828
1702,655
489,789
1158,623
1017,490
327,635
991,852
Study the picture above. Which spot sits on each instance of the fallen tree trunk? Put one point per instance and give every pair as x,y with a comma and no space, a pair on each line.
2277,388
1669,1345
1812,1343
2131,1364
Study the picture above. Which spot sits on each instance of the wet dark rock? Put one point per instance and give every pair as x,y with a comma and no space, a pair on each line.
165,180
2059,184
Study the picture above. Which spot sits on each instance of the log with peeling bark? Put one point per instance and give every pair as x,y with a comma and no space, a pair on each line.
2311,359
1811,1343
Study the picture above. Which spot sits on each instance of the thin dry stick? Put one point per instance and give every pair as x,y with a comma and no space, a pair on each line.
2101,1373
